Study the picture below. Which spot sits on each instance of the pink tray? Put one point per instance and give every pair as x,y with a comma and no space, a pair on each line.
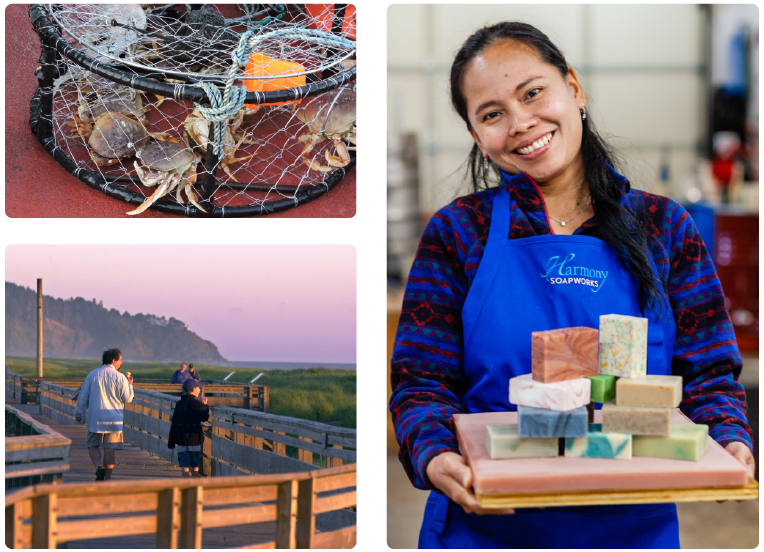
717,468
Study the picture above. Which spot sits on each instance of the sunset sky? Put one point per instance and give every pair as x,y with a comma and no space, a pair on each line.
269,303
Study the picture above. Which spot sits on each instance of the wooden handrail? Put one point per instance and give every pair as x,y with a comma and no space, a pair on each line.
39,516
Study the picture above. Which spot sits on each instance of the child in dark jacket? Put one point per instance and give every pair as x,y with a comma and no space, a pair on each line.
186,428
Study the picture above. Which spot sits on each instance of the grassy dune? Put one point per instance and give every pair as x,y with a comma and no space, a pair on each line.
318,394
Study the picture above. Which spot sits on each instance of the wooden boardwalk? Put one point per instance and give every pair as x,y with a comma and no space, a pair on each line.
134,463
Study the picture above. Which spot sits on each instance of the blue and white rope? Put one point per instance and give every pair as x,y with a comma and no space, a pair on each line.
232,100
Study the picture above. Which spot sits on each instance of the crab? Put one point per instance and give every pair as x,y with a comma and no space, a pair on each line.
329,116
168,165
115,136
197,132
125,102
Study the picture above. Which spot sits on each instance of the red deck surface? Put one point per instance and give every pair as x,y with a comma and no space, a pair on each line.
37,186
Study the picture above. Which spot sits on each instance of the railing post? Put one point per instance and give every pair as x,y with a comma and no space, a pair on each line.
279,448
306,520
286,515
14,521
44,521
332,462
305,455
168,518
265,398
191,518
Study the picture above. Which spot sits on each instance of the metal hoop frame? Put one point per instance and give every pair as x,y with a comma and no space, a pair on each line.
41,121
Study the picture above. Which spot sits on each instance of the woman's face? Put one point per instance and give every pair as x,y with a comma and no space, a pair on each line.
524,114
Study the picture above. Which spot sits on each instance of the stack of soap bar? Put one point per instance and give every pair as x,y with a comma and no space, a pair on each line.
540,422
655,391
686,442
503,441
560,395
598,444
637,420
623,345
603,388
564,354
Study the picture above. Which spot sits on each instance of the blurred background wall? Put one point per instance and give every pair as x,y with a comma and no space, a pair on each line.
674,88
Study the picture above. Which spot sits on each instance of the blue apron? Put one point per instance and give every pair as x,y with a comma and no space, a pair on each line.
534,284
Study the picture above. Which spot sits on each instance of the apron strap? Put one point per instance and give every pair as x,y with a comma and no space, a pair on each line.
500,223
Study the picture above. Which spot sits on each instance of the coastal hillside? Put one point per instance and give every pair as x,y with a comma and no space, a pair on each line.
78,328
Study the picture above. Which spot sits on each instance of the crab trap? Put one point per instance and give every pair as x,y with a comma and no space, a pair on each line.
232,110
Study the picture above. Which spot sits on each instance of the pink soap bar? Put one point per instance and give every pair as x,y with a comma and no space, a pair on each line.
564,354
559,395
717,468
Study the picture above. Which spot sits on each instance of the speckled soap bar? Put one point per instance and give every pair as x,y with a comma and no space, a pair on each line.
598,444
656,391
603,388
564,354
560,395
540,422
502,441
623,345
637,420
686,442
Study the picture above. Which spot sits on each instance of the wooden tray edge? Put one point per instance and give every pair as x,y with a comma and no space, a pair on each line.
750,491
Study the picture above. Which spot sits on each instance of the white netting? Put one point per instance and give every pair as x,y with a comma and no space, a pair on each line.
155,144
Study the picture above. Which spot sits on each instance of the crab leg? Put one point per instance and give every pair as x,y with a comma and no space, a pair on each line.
162,190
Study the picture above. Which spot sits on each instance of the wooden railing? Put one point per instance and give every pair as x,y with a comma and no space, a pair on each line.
26,389
238,442
34,453
179,509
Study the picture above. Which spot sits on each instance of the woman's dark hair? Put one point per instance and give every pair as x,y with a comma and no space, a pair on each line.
110,356
616,224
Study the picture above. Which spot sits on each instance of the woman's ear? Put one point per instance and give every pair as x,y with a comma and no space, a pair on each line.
477,141
575,87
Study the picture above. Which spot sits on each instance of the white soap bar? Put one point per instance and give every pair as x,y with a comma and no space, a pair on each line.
559,395
623,345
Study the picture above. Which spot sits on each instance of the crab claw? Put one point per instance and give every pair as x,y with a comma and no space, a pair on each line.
192,197
315,165
344,156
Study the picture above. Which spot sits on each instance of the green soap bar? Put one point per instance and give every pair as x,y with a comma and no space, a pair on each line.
686,442
597,444
502,441
603,388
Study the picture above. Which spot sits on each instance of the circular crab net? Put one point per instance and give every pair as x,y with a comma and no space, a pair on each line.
234,110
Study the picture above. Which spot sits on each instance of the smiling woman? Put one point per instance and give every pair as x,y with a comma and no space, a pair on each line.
532,254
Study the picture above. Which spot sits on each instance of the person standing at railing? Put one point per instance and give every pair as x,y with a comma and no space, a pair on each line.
181,375
186,427
104,395
193,373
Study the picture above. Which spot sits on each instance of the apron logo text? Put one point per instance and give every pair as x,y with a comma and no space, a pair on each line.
561,272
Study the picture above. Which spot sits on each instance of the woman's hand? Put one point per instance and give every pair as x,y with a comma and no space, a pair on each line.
743,455
449,473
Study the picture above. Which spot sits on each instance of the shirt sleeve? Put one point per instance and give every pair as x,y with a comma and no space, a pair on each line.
426,368
83,397
705,350
127,390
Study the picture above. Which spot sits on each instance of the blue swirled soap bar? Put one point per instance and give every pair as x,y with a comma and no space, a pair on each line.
597,444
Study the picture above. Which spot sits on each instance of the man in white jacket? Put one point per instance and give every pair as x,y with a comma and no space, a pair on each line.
104,395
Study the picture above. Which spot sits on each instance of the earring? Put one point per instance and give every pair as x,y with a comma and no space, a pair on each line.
486,165
583,113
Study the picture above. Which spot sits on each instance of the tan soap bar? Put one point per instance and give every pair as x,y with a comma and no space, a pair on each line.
564,354
637,420
655,391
